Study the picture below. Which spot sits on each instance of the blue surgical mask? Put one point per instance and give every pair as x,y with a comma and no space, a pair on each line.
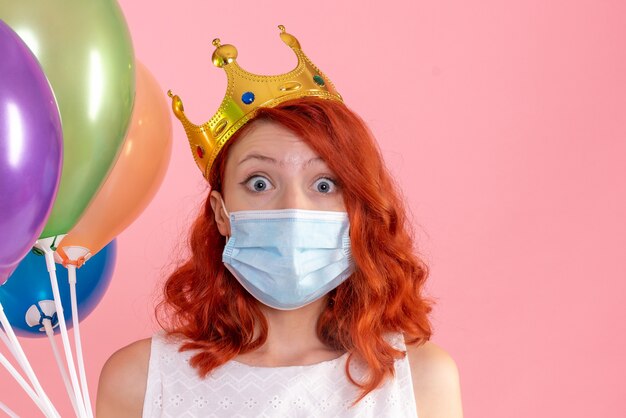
289,258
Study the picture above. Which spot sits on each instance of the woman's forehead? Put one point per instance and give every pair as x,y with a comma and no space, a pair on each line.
272,143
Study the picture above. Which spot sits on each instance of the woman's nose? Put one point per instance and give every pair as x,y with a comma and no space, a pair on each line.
293,197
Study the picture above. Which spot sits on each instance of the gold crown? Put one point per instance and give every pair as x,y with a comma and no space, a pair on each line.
245,94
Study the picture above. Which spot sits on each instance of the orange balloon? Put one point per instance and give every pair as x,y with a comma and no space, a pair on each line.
134,179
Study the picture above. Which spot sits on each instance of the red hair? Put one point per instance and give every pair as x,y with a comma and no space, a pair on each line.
210,307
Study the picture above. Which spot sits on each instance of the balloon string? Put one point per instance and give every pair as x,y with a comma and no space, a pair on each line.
20,380
8,343
68,386
71,275
16,349
18,377
64,337
8,411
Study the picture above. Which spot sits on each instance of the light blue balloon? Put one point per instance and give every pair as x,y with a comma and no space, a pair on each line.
29,288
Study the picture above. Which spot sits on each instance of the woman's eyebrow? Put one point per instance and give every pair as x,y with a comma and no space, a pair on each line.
313,160
265,158
258,157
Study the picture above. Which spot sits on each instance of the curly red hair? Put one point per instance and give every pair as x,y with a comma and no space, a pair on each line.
209,307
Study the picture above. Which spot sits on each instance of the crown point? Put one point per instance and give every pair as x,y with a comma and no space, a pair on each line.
224,54
216,42
288,38
177,105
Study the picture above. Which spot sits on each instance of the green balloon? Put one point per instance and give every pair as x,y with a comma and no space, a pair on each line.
85,50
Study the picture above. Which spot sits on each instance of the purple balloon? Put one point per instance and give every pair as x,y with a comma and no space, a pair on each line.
31,150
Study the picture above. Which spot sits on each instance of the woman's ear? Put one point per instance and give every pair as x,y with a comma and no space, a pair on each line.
222,221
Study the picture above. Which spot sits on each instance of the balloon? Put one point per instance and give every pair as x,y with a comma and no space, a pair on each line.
29,288
85,50
136,175
31,150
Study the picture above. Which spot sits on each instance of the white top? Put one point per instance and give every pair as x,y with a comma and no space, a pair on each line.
234,389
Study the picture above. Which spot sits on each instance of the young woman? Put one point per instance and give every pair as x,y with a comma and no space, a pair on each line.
303,294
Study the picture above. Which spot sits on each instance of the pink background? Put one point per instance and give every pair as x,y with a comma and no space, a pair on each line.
505,124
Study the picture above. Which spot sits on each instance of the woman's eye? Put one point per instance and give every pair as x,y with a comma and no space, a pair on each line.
324,185
258,184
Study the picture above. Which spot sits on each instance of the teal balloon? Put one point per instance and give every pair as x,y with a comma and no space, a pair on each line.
85,50
29,285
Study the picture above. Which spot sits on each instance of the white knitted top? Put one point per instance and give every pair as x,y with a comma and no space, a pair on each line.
234,389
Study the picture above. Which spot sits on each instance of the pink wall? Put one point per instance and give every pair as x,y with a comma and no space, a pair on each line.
505,124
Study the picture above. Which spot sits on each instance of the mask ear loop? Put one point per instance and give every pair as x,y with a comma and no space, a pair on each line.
224,207
227,215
